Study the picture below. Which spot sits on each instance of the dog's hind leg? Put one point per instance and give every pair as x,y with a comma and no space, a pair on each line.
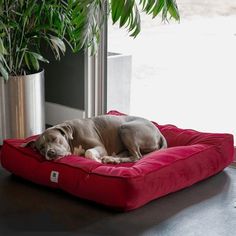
139,138
131,155
129,135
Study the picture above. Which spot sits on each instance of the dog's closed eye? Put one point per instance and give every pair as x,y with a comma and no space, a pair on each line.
53,139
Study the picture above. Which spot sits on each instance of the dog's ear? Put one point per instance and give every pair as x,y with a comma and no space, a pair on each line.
66,130
29,144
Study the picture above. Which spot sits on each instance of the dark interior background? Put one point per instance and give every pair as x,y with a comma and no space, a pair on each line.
64,79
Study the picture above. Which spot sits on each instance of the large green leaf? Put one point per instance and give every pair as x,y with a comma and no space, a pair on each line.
149,5
2,48
3,71
39,57
116,9
136,24
158,7
27,61
173,9
57,45
128,14
4,61
33,61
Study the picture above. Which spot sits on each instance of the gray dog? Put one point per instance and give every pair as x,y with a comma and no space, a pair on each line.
106,139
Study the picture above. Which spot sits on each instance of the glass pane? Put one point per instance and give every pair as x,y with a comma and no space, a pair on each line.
178,73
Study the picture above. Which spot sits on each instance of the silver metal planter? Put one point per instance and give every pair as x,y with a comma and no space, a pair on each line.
22,106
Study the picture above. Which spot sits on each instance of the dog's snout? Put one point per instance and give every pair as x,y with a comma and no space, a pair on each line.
51,153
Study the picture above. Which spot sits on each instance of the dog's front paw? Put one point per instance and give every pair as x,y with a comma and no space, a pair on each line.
110,160
92,154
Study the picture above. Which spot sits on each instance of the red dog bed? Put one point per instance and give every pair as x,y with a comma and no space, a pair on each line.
191,156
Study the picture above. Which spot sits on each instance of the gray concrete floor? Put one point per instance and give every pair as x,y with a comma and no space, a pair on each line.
207,208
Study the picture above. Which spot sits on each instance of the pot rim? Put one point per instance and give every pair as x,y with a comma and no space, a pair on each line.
41,70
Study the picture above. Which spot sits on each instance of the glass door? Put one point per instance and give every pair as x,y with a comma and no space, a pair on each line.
178,73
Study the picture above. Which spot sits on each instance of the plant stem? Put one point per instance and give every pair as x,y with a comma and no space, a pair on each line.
8,31
18,65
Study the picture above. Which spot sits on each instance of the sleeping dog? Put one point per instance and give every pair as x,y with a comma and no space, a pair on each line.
105,138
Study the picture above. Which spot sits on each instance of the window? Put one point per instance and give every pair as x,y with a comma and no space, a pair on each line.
179,73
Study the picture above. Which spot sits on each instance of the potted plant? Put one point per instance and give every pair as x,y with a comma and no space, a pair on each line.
27,24
24,27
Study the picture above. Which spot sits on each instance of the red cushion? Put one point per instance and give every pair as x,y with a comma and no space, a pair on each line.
191,156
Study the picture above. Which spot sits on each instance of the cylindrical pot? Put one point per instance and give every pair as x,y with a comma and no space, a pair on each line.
22,106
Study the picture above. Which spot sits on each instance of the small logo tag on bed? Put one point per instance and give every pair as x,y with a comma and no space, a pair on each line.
54,176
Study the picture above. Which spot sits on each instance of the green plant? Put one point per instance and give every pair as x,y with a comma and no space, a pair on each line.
127,13
26,24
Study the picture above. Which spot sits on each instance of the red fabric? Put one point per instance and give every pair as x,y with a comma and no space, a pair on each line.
191,157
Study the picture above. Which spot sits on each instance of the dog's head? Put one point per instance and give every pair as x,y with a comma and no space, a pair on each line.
54,142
